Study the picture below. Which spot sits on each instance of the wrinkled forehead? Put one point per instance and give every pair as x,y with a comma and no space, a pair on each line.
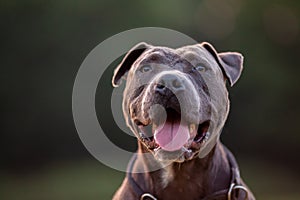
160,55
196,54
187,56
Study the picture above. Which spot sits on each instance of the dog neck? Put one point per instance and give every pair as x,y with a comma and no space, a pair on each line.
195,178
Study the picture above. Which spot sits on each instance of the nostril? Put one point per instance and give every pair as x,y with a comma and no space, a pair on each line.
176,84
160,86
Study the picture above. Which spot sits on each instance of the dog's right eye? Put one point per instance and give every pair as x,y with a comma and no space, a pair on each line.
200,68
145,68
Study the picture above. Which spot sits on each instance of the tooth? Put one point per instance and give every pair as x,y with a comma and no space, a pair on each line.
192,128
156,149
141,134
207,136
187,150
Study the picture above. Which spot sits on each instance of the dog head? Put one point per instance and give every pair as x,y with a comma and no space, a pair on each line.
175,100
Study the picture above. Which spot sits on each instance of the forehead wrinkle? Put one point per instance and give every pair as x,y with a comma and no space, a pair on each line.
194,57
160,56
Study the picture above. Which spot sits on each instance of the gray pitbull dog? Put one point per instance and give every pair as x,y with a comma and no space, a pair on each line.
176,103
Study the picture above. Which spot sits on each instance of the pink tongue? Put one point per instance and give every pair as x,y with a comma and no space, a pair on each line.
172,136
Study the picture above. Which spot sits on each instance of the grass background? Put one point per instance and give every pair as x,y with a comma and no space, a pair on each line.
89,179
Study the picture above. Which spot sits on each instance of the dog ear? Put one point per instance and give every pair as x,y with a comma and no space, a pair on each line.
127,62
231,63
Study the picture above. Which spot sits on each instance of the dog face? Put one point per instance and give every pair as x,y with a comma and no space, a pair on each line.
175,100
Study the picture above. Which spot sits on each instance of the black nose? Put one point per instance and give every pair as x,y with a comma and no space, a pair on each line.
169,82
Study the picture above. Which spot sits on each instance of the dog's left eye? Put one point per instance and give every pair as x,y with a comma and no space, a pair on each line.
145,68
200,68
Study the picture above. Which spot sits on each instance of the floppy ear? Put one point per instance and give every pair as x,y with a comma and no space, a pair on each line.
231,63
127,62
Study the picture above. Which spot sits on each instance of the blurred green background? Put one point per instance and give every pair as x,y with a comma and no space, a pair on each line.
44,42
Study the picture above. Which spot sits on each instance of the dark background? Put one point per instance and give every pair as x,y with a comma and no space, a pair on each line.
43,43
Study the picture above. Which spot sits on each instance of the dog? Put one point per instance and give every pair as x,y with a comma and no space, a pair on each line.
176,103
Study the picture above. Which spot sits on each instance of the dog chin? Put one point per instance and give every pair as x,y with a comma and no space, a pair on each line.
178,156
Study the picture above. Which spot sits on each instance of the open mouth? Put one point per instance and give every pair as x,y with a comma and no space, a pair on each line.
174,133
